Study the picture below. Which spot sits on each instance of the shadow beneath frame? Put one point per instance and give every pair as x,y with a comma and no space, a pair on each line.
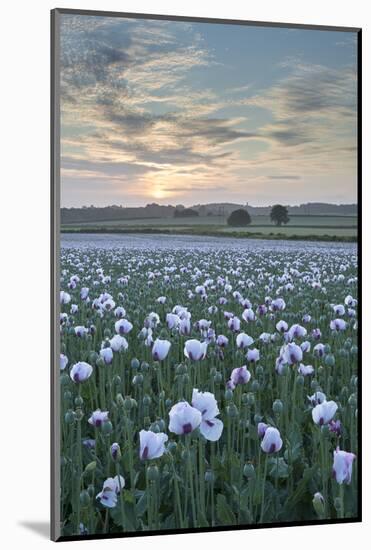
41,528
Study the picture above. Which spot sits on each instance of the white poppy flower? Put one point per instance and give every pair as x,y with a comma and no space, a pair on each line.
152,445
272,441
324,412
195,350
184,418
160,349
80,372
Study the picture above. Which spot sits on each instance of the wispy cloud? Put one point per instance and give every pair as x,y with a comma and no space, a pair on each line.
139,116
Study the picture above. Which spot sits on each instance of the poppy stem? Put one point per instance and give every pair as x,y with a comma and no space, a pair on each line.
263,489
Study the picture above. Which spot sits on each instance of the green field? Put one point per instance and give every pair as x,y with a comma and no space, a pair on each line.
301,226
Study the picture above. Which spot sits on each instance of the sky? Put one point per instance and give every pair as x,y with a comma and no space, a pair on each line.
194,113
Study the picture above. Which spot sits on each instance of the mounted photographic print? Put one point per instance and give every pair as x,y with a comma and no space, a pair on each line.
205,274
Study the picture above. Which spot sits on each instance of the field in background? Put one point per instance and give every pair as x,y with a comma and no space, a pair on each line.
302,226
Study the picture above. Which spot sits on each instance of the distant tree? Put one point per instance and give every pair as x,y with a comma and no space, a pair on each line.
239,218
185,213
279,214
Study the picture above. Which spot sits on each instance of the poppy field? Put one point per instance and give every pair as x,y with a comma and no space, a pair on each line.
206,386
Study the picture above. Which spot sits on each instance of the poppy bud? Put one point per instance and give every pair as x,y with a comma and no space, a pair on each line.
209,476
84,499
138,380
100,362
337,504
90,467
128,405
228,395
116,381
64,379
107,427
354,350
79,401
152,473
330,360
79,414
67,396
115,452
277,406
70,417
259,370
249,471
232,410
352,401
172,446
181,369
255,386
319,504
91,490
145,366
93,356
168,403
250,399
314,385
300,380
120,400
107,333
135,363
218,377
146,400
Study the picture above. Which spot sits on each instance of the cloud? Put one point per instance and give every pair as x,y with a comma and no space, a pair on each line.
285,177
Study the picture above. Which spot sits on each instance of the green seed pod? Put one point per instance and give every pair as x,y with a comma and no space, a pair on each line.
181,369
84,499
337,504
100,362
354,350
218,377
79,414
91,466
249,471
145,366
319,505
107,427
161,424
250,400
147,401
255,386
330,360
93,356
209,476
232,410
327,348
228,395
314,385
259,371
67,396
152,473
352,401
300,380
135,363
91,490
277,406
168,403
116,381
65,379
107,333
70,417
245,398
128,405
172,446
79,401
134,404
120,400
348,343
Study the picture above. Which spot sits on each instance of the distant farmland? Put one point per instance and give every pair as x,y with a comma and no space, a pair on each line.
336,226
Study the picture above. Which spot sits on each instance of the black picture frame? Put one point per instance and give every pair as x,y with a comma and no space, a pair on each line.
55,250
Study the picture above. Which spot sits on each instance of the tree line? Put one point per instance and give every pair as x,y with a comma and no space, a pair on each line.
279,215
